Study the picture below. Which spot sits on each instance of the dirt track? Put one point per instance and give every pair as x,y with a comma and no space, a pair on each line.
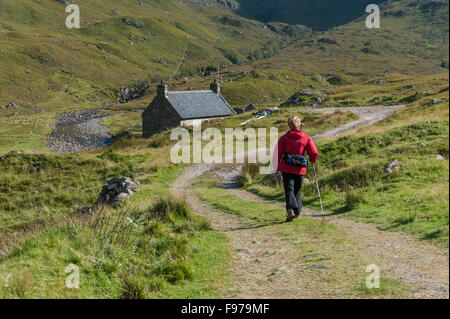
423,268
368,115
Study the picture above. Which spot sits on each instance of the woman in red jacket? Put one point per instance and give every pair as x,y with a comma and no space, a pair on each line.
292,163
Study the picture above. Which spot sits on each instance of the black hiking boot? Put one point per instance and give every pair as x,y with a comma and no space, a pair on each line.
290,216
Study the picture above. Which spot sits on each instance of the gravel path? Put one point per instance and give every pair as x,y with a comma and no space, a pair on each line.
265,263
368,115
79,131
420,266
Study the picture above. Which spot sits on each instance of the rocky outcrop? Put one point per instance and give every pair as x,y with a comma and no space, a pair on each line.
127,94
117,190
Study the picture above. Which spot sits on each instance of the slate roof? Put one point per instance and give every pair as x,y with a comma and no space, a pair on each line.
199,104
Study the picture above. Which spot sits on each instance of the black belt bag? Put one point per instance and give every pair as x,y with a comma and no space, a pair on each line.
295,160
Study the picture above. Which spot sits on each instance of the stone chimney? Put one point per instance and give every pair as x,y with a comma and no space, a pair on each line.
215,87
162,90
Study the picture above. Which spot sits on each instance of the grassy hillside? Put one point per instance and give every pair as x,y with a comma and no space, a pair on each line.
412,39
46,65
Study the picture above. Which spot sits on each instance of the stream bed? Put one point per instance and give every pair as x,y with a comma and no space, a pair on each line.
80,131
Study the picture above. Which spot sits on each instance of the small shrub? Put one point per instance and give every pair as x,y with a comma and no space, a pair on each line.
132,288
175,247
250,172
411,98
159,141
166,208
173,271
18,285
272,180
408,218
153,228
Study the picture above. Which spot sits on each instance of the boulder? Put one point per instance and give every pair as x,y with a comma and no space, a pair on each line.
84,210
328,41
320,266
12,105
432,102
420,144
440,157
319,100
394,166
306,93
131,23
263,113
238,110
122,196
250,108
294,99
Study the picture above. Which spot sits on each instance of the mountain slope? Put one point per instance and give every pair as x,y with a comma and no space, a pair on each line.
318,14
412,39
49,66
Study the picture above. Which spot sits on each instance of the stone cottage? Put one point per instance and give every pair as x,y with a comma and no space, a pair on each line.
171,109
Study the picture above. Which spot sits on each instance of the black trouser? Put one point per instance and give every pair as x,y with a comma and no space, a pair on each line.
292,190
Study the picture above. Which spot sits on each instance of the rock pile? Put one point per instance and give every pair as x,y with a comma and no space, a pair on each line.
131,23
306,97
117,190
9,106
249,108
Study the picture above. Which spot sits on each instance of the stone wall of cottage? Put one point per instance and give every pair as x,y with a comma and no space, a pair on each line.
159,116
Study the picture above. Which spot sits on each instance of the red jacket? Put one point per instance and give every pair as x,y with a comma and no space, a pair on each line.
295,142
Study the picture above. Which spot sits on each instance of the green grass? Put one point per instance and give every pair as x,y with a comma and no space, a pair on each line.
24,131
41,233
157,260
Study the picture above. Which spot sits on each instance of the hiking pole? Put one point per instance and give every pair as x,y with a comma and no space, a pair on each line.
318,189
